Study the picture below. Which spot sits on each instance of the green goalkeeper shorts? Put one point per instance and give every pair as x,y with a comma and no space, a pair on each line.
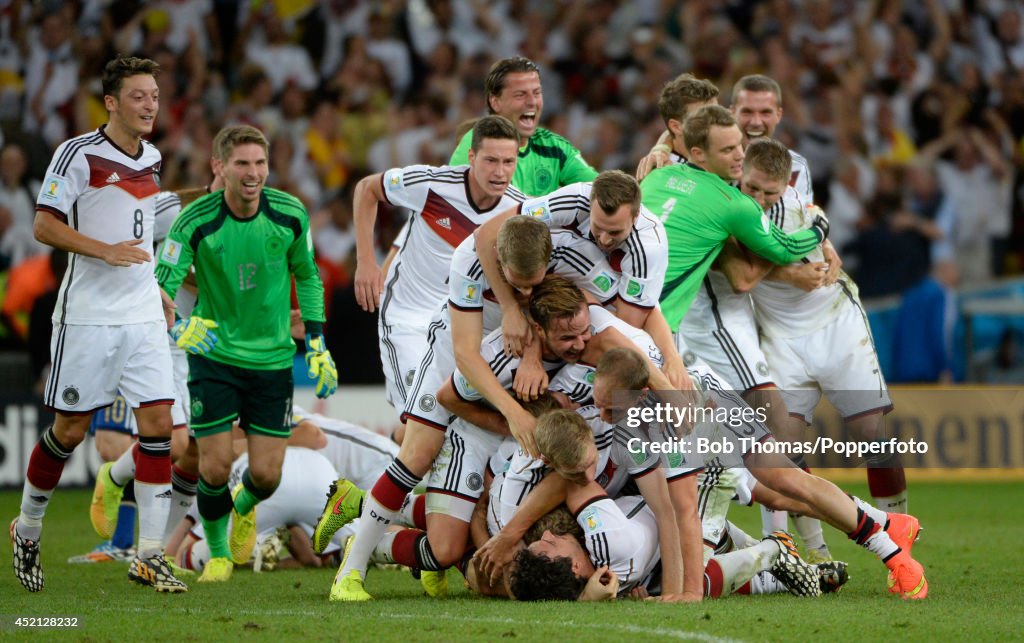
221,394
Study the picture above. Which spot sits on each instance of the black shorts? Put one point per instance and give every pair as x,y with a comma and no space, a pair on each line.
222,393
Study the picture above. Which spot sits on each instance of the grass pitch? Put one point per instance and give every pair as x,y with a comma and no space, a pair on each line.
971,548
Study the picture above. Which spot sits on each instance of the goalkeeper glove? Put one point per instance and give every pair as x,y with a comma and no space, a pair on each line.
321,366
194,335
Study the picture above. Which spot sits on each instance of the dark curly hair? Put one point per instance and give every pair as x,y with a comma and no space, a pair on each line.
535,577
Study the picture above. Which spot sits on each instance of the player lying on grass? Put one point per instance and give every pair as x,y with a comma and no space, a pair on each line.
619,549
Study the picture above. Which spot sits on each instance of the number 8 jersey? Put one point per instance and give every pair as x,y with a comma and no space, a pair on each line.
106,194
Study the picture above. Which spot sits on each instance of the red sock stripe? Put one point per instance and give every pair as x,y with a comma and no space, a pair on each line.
745,589
403,548
43,469
185,475
419,512
152,469
714,579
866,527
388,493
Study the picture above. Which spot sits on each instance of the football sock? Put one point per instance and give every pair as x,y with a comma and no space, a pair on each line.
250,495
772,521
214,505
381,507
152,491
876,514
414,511
124,532
870,535
123,468
408,547
766,583
45,465
738,567
183,493
740,538
810,532
888,489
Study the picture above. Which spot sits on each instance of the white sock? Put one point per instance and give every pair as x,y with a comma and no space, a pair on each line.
740,538
123,469
33,506
740,566
872,511
180,504
374,523
382,552
765,583
893,504
407,519
772,520
154,501
810,532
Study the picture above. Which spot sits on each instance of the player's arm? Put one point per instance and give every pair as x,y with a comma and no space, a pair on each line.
657,157
310,293
748,224
369,279
514,325
653,322
499,550
467,333
683,493
742,269
473,412
654,489
805,276
49,229
576,168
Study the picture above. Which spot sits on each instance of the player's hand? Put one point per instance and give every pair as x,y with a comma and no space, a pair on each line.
495,555
194,335
321,366
675,370
639,593
126,253
369,284
603,585
819,222
516,331
169,306
522,426
657,157
833,261
531,380
809,276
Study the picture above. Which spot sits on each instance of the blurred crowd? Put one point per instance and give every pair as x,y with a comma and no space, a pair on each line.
910,112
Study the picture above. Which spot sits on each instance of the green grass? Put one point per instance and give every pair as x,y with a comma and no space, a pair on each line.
971,548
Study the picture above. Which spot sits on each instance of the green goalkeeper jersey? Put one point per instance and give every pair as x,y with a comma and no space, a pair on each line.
700,211
244,269
546,163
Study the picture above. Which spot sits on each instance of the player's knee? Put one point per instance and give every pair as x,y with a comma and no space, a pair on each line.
179,444
265,476
215,471
447,551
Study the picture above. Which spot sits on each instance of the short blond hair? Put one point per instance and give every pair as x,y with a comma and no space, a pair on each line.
770,157
562,437
625,369
524,245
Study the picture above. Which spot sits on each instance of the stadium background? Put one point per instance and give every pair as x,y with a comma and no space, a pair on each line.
343,88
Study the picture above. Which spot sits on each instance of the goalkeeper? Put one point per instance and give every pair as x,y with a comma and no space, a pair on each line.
246,242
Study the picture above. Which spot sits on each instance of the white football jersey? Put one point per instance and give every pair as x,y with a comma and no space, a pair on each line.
800,177
784,310
357,453
504,367
572,257
641,259
106,194
622,534
443,216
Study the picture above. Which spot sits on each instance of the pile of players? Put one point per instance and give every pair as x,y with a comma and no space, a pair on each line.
529,303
